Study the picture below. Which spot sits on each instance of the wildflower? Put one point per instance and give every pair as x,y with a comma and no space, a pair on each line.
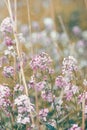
8,71
74,89
23,102
75,127
18,87
81,97
48,22
40,85
3,60
69,66
22,120
69,95
41,62
8,41
60,82
43,113
76,30
4,98
6,25
10,51
47,96
70,90
24,108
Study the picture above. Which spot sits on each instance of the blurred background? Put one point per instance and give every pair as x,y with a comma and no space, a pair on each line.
58,27
72,11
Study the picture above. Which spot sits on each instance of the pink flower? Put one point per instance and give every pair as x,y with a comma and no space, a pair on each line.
81,96
60,82
41,62
8,71
75,127
40,85
18,87
43,113
69,66
23,102
3,60
47,96
8,41
22,120
24,107
6,25
76,30
69,95
4,98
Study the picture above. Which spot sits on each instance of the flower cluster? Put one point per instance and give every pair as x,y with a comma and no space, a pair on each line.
41,62
60,82
24,109
10,51
6,25
8,41
8,71
69,65
47,96
4,97
3,60
43,113
18,87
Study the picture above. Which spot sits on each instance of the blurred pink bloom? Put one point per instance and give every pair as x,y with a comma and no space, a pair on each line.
76,30
6,25
8,41
8,71
18,87
60,82
75,127
69,66
47,96
43,113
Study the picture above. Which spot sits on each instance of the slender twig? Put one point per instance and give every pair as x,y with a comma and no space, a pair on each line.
29,22
53,17
63,26
83,112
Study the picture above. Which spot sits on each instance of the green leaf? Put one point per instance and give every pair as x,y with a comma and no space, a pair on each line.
50,127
